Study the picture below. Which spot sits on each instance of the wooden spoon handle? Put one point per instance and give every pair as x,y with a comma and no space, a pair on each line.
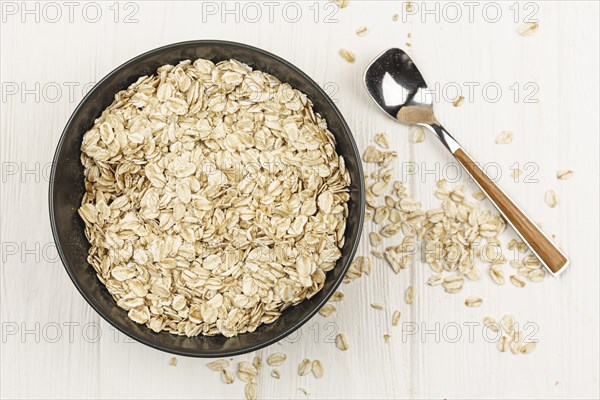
543,248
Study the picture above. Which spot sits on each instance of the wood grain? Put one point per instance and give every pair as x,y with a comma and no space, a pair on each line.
88,359
548,253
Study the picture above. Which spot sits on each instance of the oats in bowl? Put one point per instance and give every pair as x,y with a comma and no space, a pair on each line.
215,198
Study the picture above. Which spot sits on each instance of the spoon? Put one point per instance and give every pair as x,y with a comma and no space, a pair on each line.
399,89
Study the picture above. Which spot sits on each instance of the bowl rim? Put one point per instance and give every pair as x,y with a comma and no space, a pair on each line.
156,344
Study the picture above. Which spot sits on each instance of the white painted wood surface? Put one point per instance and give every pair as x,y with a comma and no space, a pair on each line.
54,346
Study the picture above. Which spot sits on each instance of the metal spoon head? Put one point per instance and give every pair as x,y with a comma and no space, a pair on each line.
395,83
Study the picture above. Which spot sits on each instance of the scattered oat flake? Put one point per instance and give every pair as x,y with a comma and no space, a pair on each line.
377,254
317,369
453,284
341,341
275,373
435,279
496,274
537,275
362,31
386,337
276,359
327,310
418,135
227,377
347,55
408,6
473,301
517,281
173,362
382,140
563,174
218,365
491,323
396,318
409,295
501,345
251,390
551,199
458,101
246,371
337,296
395,17
507,322
528,28
505,137
372,155
479,195
374,238
305,367
304,391
377,306
528,348
257,362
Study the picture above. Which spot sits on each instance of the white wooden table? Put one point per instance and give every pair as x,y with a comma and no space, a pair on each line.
54,346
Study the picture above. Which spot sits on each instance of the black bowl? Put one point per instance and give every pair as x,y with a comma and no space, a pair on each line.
67,189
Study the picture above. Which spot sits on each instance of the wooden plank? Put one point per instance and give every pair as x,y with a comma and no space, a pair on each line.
54,346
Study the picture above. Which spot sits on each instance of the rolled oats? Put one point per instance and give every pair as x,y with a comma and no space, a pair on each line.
347,55
227,377
528,28
374,239
453,284
504,137
317,369
276,359
193,208
409,295
517,281
491,323
435,279
501,345
327,310
497,274
564,174
246,371
382,140
337,296
341,341
361,31
396,318
251,390
473,301
551,199
458,101
218,365
305,367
